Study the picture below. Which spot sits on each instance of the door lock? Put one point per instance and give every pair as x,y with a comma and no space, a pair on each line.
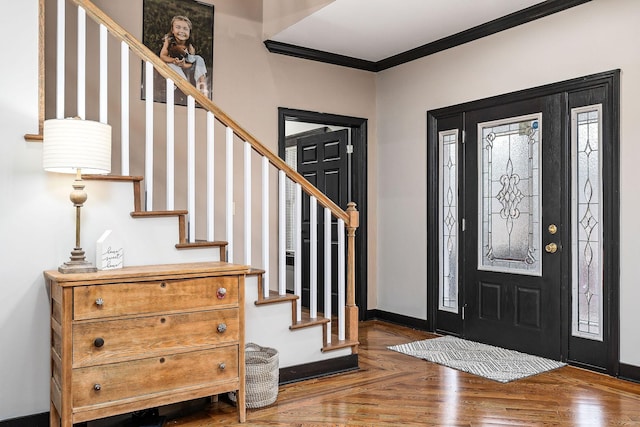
553,229
552,248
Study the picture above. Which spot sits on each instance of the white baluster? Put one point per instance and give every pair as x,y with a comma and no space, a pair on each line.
229,194
210,176
247,203
297,263
313,257
341,281
82,63
265,226
282,233
327,271
191,166
148,162
60,61
171,138
124,108
104,75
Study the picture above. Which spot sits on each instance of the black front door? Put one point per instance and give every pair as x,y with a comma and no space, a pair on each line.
322,160
523,221
515,209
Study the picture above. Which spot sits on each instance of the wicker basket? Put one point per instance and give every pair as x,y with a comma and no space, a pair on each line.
262,375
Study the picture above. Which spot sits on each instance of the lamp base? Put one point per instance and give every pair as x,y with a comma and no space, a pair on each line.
77,263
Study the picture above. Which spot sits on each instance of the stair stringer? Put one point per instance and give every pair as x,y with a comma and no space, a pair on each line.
268,326
146,241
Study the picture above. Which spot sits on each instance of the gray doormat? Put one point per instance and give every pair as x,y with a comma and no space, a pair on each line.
487,361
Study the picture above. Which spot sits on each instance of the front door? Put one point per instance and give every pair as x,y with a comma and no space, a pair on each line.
523,221
514,235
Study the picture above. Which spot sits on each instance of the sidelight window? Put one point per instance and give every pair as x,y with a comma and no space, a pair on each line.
586,215
448,197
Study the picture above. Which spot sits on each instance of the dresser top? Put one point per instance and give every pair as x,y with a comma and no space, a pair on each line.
148,272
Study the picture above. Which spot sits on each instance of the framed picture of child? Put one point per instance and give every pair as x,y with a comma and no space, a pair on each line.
181,33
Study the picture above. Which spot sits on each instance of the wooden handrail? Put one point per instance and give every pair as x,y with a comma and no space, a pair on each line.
165,71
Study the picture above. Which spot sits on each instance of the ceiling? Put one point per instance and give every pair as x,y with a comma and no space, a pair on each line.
370,32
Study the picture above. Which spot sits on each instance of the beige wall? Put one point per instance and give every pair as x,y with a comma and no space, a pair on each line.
597,36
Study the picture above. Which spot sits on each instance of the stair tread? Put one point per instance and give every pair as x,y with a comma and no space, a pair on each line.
308,322
275,298
201,244
339,344
140,214
92,177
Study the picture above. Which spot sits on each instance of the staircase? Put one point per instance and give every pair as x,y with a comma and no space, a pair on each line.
200,194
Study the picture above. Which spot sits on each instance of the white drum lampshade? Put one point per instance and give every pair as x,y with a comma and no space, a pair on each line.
72,144
77,146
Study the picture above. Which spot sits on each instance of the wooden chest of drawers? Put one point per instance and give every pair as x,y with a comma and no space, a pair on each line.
140,337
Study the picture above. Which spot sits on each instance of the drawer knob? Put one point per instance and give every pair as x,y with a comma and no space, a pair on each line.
222,292
222,366
99,302
222,327
97,387
98,342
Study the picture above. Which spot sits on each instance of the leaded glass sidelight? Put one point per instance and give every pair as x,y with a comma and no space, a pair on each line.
448,203
509,175
586,217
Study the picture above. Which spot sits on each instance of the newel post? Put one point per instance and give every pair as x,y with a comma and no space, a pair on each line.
351,308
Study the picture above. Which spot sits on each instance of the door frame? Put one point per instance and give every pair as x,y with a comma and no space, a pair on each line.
610,80
358,181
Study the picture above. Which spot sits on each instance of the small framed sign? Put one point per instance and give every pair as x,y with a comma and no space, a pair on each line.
109,252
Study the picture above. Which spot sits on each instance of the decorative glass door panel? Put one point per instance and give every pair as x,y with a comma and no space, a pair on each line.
586,128
509,173
448,202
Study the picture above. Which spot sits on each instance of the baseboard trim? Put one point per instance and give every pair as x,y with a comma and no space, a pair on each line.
629,372
398,319
35,420
323,368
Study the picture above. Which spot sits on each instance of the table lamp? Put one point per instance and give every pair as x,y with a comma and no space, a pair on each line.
75,145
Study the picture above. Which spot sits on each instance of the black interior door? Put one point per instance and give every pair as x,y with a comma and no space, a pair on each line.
515,225
322,160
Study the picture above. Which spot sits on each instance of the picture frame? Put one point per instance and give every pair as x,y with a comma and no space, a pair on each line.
180,32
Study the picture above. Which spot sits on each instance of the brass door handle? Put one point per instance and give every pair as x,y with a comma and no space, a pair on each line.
552,248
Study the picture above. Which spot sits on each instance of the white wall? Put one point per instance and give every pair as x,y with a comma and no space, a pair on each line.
597,36
28,212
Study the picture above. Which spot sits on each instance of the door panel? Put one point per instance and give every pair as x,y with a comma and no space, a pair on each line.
512,287
322,160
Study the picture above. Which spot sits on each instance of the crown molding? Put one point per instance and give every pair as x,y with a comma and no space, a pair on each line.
515,19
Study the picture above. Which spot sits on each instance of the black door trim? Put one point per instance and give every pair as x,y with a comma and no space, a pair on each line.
610,80
358,181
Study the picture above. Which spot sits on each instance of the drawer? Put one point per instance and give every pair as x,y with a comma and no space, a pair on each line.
118,299
108,341
124,380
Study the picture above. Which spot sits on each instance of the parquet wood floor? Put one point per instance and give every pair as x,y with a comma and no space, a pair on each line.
392,389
